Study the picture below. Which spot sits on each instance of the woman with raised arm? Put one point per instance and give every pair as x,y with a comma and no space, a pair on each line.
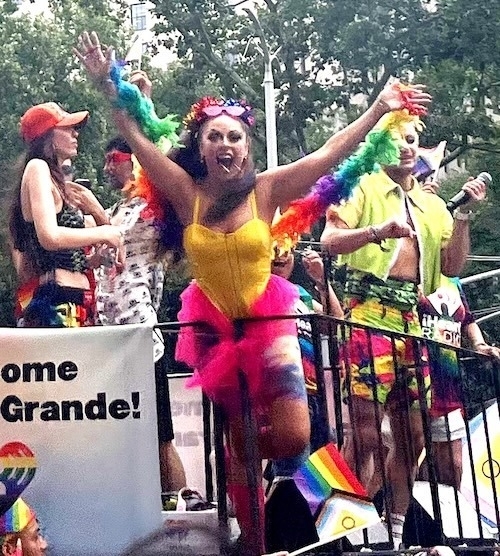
48,232
226,209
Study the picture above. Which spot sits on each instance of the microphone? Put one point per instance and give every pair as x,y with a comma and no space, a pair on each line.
462,197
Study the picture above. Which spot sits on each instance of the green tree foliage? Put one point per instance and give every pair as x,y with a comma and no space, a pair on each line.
327,52
330,51
38,66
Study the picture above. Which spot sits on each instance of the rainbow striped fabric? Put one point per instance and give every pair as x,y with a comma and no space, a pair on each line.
17,468
324,473
336,498
16,518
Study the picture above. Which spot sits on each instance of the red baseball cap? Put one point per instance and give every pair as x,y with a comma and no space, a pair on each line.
39,119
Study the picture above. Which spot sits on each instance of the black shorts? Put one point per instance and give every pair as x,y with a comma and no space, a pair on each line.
163,411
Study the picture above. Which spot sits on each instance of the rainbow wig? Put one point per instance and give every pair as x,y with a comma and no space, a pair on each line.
380,148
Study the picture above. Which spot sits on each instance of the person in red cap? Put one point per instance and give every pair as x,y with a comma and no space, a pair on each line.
20,533
47,224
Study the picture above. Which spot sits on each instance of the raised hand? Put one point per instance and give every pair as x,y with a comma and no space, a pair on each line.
394,228
96,60
313,265
141,79
476,189
397,96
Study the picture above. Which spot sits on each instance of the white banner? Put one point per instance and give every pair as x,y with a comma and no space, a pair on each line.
187,417
83,400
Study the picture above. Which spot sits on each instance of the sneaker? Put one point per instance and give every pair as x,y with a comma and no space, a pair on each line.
193,501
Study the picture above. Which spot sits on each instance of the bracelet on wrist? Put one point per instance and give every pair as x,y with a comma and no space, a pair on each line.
464,216
375,238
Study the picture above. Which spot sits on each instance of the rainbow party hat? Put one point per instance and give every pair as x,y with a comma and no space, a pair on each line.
16,518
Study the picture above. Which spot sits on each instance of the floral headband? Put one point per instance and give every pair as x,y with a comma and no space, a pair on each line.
210,107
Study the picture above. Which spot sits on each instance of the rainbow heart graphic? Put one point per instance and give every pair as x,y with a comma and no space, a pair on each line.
17,469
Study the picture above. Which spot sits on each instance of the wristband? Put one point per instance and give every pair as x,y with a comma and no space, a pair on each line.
375,238
465,216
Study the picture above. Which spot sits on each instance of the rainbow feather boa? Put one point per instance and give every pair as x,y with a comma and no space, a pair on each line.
381,147
163,133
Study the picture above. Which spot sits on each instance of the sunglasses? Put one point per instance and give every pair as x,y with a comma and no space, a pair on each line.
116,157
216,110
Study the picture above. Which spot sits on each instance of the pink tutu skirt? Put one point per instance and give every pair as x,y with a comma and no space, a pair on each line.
217,349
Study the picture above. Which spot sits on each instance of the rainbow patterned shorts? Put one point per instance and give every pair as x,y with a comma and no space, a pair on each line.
381,367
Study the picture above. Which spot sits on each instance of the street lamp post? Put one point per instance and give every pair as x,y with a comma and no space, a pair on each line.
270,111
269,93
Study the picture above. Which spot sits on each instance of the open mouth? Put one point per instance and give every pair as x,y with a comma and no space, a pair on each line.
226,161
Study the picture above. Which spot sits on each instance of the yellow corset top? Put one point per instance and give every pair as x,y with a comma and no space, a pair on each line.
232,269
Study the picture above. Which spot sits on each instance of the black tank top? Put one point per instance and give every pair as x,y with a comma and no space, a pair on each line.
68,259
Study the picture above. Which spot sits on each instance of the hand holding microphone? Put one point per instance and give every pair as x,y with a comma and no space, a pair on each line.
472,190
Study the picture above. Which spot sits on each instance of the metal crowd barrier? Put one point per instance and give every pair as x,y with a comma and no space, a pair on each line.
478,390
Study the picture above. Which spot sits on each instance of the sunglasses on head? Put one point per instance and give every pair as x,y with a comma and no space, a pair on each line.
216,110
115,157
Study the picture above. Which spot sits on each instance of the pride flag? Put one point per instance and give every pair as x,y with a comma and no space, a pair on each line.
336,498
323,473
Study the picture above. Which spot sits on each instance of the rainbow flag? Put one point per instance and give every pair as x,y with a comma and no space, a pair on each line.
326,472
337,499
